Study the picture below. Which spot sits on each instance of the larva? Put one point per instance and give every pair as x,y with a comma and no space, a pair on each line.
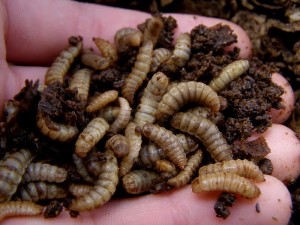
12,168
91,59
160,55
139,181
79,190
90,136
56,131
80,81
123,117
189,143
229,73
166,168
109,113
128,37
154,26
107,49
207,132
186,174
102,100
19,208
81,169
119,145
228,182
243,168
168,141
149,154
216,117
139,71
93,163
104,187
155,89
62,63
44,172
135,141
187,92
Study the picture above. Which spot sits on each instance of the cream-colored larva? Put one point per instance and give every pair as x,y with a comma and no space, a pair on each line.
128,37
139,181
102,100
135,141
149,154
19,208
229,73
104,186
44,172
107,49
155,89
80,81
166,168
81,169
109,113
160,55
139,71
207,132
153,28
187,92
90,136
95,61
12,168
59,68
186,174
228,182
78,190
243,168
168,141
118,144
56,131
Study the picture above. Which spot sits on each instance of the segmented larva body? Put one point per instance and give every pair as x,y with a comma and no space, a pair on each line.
149,154
186,174
12,168
93,163
229,73
154,26
139,181
81,169
139,72
243,168
56,131
107,49
118,144
160,55
90,136
189,143
102,100
19,208
135,141
79,190
207,132
123,117
104,187
80,81
168,141
166,168
109,113
156,88
36,191
228,182
97,62
62,63
186,92
128,36
45,172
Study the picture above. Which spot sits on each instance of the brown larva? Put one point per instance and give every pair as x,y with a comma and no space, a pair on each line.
155,89
119,145
19,208
95,61
229,73
78,190
102,100
166,168
154,26
128,37
90,136
139,71
93,163
228,182
139,181
81,169
107,49
168,141
80,81
135,141
12,168
62,63
243,168
109,113
44,172
149,154
160,55
56,131
104,187
207,132
187,92
186,174
189,143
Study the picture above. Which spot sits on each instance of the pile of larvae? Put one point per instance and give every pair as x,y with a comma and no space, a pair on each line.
143,114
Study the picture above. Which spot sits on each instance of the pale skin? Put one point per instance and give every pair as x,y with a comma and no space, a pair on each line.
32,34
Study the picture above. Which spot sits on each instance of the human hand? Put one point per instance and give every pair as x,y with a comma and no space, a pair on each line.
34,33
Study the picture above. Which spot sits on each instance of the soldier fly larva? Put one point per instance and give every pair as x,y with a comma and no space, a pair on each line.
102,100
207,132
166,168
139,71
95,61
81,169
80,81
168,141
160,55
228,182
149,154
78,190
90,136
107,49
62,63
109,113
152,30
118,144
93,163
229,73
104,186
128,37
187,92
